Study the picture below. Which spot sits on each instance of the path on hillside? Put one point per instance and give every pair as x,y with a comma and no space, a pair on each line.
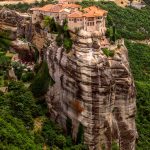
147,41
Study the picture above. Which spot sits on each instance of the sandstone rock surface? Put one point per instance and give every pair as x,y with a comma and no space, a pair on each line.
94,90
90,88
17,23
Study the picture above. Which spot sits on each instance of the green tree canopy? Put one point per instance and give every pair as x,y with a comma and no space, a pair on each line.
42,81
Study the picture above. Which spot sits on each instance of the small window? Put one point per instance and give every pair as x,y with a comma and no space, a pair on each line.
75,20
91,23
90,19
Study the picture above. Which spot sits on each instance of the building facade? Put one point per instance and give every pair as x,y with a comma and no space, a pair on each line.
89,19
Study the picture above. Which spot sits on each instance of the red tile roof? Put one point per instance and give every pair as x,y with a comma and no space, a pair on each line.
55,8
47,6
93,11
71,6
76,14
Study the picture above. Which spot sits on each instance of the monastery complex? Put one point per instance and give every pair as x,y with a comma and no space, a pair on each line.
89,19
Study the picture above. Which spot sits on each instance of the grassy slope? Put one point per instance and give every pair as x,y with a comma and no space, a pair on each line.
139,57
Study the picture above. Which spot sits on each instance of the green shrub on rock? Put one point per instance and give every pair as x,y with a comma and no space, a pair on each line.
115,146
42,81
67,44
27,76
18,69
79,147
108,52
59,40
60,141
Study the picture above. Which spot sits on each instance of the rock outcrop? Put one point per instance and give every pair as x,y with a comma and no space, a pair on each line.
90,88
93,90
23,34
18,23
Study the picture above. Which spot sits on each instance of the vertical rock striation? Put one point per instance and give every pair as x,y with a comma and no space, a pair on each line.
90,88
94,90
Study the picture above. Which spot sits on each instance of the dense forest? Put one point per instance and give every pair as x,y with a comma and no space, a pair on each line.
139,57
25,124
21,109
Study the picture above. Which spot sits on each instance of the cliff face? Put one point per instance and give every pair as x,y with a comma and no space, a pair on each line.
93,90
90,88
19,24
18,27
